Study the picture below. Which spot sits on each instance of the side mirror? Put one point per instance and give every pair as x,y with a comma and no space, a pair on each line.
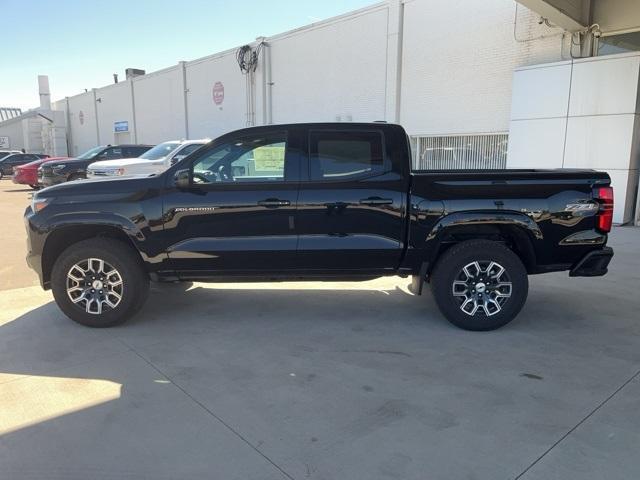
183,178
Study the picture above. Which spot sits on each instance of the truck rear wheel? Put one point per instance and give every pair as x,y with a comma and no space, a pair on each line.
479,285
99,282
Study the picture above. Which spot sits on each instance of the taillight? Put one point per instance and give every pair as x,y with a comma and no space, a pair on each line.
604,217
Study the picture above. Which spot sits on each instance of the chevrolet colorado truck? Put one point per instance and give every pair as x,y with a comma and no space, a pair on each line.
320,201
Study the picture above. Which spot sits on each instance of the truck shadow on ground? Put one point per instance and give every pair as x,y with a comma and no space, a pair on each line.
326,382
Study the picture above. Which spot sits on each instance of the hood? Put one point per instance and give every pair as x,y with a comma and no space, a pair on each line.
53,163
99,186
37,163
122,162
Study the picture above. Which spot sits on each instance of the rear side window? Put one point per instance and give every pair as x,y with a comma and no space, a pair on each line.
112,153
134,152
343,155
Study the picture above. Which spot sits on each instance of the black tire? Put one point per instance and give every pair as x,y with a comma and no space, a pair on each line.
75,176
120,256
479,315
1,175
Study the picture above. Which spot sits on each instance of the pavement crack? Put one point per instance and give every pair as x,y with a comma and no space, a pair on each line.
577,425
209,411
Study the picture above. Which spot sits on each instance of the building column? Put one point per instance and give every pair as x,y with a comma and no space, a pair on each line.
185,93
394,60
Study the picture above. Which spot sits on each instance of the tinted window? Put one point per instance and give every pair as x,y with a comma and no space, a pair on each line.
89,154
111,153
243,159
337,155
16,158
134,152
189,149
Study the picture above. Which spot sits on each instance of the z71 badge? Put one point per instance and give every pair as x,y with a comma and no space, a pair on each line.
581,207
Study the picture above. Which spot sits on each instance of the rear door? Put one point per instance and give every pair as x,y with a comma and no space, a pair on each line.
238,215
352,202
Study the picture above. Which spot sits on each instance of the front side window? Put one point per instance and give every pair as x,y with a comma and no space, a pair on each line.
343,155
246,159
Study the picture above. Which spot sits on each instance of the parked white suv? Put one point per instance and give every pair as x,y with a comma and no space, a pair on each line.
153,161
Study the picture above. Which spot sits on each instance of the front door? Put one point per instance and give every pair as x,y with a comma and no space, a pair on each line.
238,215
350,208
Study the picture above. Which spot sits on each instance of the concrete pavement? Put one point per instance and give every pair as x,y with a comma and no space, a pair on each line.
327,381
14,200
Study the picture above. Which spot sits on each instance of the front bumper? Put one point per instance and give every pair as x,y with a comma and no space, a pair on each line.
35,244
51,178
593,264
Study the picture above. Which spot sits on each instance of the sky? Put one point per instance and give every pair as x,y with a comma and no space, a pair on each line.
81,44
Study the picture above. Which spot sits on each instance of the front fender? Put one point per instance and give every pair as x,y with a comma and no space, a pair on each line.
97,219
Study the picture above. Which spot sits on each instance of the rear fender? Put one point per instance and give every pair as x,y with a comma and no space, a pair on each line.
447,226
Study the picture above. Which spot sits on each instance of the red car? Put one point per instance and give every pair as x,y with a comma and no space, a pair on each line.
27,174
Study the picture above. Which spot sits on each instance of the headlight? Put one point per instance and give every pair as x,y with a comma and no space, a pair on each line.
113,172
59,167
38,204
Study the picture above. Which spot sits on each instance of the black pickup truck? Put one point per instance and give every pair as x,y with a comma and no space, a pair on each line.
318,201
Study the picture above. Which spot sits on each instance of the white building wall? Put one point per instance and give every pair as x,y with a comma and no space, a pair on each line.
13,130
458,61
159,104
206,119
82,127
332,71
580,114
114,104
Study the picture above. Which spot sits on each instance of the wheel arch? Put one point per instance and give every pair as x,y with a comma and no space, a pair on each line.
515,230
64,236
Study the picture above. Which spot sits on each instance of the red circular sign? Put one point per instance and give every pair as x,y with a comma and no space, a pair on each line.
218,93
81,117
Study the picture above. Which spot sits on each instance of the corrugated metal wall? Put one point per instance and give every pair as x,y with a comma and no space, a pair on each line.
474,152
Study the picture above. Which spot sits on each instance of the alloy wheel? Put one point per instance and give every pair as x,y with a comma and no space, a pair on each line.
93,284
482,287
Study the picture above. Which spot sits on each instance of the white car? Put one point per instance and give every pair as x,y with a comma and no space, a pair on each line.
153,161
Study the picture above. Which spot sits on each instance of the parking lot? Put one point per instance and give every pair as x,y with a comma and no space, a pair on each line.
320,380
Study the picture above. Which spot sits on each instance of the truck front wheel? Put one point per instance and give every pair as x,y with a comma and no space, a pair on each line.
479,285
99,282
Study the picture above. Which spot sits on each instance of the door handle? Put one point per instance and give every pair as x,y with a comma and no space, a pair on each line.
274,203
376,201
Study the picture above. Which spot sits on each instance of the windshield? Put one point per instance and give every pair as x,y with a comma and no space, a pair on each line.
160,151
89,154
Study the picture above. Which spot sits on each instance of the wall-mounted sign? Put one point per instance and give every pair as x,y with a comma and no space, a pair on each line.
81,117
5,142
121,126
218,93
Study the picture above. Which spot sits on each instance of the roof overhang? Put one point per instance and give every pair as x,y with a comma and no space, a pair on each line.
571,15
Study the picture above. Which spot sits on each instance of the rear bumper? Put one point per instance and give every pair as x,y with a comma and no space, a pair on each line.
25,177
593,264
